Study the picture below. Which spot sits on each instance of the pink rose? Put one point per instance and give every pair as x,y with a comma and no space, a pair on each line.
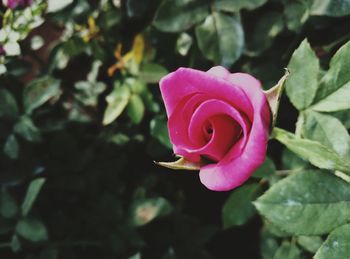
12,4
218,117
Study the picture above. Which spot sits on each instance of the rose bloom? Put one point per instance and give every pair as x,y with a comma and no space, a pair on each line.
218,118
2,51
12,4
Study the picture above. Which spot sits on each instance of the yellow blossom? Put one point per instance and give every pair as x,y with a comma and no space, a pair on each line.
134,55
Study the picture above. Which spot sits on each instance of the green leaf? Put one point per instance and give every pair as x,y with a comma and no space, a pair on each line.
291,161
32,193
119,139
296,14
18,67
145,210
117,100
266,28
184,43
39,91
327,130
301,85
110,19
11,147
152,73
180,15
295,202
276,231
238,208
337,245
237,5
221,38
316,153
159,130
27,130
344,117
288,251
136,86
8,104
310,243
92,76
268,244
32,229
334,89
8,205
55,6
337,101
3,69
137,9
330,7
88,92
59,57
15,244
136,108
267,169
135,256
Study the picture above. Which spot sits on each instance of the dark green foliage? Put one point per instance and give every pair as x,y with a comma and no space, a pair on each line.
82,120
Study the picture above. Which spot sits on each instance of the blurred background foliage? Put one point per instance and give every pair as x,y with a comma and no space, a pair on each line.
81,121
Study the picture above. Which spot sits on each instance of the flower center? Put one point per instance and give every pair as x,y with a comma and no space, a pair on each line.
207,130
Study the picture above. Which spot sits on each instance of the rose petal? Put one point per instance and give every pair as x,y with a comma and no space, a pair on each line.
186,81
184,130
186,113
178,126
230,173
225,133
224,136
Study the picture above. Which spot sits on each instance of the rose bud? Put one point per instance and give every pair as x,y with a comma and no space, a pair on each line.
218,120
